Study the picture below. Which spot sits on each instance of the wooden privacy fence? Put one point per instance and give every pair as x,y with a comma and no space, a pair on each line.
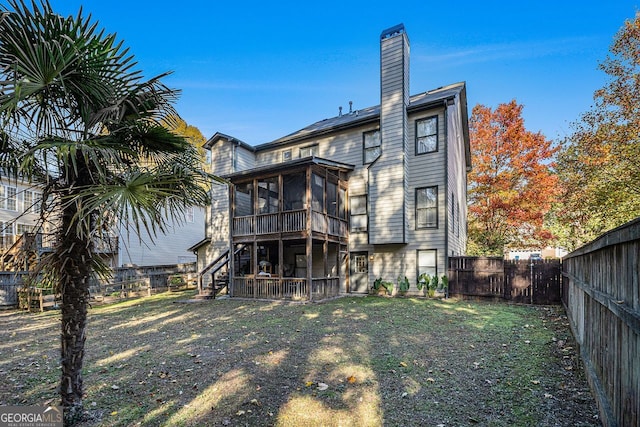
521,281
602,298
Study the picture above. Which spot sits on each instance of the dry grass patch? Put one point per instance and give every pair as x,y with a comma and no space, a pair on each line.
160,361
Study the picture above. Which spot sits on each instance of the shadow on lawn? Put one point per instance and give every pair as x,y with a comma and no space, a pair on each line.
351,361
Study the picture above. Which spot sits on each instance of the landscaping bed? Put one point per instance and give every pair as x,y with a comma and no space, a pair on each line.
358,361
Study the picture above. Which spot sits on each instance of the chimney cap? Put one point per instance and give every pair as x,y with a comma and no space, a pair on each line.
393,31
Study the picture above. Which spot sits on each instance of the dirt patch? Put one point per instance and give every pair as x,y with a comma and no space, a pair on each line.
352,361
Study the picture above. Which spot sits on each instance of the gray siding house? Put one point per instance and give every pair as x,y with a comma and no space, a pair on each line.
374,192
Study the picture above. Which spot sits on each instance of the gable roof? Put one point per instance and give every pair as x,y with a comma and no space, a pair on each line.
417,102
219,136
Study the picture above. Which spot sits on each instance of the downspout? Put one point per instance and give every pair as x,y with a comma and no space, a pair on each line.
446,189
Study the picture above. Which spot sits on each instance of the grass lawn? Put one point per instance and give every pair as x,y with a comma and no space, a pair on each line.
356,361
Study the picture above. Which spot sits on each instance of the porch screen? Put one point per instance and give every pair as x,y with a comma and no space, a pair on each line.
332,199
293,191
342,203
317,193
268,198
244,199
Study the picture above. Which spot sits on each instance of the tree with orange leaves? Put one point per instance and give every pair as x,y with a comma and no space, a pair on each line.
599,166
512,185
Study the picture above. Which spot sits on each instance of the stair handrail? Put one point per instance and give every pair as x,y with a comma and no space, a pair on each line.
216,261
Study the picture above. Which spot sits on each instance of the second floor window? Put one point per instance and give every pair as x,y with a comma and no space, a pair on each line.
372,147
427,207
32,200
358,213
311,150
427,135
8,198
190,214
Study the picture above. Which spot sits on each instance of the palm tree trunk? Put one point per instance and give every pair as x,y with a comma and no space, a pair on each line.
75,275
73,252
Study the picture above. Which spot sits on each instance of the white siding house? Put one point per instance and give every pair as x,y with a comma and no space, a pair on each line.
171,247
382,192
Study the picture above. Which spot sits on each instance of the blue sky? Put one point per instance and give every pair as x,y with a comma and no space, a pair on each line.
261,70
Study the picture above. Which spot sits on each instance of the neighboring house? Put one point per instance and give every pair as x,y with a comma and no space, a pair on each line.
167,248
23,239
19,214
375,192
22,244
546,253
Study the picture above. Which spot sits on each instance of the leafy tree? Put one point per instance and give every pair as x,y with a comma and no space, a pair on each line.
511,186
599,166
192,134
77,118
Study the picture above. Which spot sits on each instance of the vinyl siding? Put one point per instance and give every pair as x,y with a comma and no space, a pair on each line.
228,157
163,248
457,182
217,229
387,176
426,170
245,159
222,158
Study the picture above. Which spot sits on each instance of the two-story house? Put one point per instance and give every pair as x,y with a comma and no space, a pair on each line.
374,192
24,236
24,239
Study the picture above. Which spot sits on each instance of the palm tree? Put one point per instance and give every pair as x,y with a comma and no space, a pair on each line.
77,118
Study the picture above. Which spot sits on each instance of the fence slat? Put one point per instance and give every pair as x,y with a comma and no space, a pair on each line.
521,281
601,295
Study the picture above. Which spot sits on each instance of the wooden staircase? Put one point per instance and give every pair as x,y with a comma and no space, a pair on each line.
23,255
219,279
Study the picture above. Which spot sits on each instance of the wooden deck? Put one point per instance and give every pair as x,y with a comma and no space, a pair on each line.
286,288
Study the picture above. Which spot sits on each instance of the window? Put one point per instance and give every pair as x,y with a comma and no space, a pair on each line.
371,146
8,199
360,264
427,135
190,214
32,200
453,212
427,207
286,155
427,262
24,228
6,233
311,150
458,223
358,213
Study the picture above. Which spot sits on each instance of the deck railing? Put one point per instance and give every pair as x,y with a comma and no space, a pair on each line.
287,288
288,222
294,220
